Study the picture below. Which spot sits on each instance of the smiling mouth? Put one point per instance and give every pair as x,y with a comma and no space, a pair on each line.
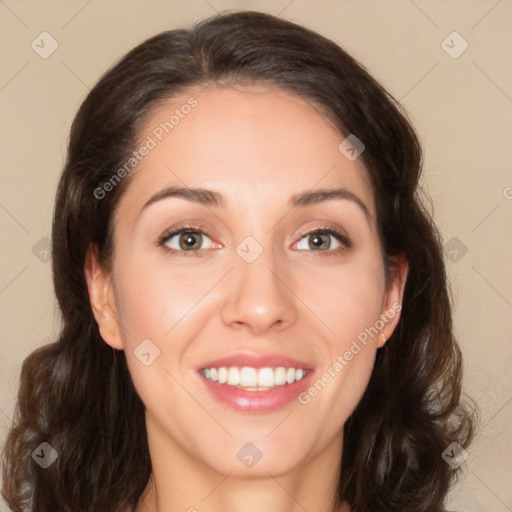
254,379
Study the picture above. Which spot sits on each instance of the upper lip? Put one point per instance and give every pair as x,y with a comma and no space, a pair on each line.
254,360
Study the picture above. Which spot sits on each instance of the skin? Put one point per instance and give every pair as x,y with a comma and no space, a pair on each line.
257,147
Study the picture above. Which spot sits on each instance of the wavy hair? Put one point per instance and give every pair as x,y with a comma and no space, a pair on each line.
77,394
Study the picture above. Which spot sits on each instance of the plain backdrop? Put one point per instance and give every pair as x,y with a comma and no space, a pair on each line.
459,98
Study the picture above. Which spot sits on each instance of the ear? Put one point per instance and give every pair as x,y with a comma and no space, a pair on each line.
102,299
392,305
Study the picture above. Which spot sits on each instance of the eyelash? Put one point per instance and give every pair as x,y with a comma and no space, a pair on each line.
345,242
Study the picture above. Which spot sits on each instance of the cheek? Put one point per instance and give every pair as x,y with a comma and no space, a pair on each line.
348,300
348,297
154,297
169,304
161,309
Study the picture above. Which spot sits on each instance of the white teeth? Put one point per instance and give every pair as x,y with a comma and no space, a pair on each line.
280,376
248,377
266,377
223,375
233,377
253,379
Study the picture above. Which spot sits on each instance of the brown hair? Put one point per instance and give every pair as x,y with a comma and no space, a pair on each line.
77,395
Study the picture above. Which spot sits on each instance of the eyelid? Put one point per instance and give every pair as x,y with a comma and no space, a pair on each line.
169,233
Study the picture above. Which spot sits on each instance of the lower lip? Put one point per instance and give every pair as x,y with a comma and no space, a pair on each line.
257,401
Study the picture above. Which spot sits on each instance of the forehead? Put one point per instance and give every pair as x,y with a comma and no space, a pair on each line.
255,143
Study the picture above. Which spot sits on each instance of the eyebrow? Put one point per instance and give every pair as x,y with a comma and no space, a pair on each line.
319,196
194,195
211,198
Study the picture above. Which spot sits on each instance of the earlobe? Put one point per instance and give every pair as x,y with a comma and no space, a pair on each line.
101,297
394,298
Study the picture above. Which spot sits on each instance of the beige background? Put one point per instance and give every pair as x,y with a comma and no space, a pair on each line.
462,108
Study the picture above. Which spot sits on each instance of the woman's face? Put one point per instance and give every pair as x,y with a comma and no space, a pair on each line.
246,250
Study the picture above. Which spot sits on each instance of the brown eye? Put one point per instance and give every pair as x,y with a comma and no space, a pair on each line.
320,241
186,240
190,240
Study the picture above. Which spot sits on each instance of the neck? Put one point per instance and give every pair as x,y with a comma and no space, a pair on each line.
238,496
180,482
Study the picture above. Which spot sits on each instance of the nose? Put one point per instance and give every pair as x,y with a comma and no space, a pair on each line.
258,298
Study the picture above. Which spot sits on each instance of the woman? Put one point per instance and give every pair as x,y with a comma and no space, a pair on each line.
254,302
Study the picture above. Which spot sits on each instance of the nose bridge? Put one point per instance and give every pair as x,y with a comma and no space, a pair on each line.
257,297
